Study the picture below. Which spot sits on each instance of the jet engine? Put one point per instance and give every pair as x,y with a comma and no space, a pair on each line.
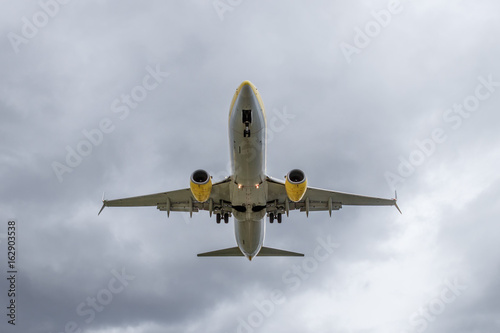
201,185
295,185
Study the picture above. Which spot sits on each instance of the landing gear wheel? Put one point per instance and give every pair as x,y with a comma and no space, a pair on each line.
217,218
271,217
279,217
226,217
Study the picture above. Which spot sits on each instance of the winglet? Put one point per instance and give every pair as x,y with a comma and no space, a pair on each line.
103,204
396,202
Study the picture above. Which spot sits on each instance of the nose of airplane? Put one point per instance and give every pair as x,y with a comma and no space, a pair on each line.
246,89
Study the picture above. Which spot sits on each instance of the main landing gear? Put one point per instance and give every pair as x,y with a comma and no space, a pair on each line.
224,217
273,217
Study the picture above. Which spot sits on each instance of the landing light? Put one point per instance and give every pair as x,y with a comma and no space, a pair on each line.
240,186
256,185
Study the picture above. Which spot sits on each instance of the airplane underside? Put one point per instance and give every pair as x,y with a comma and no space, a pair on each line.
248,193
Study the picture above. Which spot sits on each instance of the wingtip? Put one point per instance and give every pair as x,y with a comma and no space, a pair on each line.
103,205
397,207
396,202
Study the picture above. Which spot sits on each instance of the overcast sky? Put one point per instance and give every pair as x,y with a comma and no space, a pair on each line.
129,98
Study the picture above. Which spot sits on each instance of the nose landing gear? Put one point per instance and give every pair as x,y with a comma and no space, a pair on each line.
246,119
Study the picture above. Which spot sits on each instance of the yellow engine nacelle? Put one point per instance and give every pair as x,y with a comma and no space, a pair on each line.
201,185
295,185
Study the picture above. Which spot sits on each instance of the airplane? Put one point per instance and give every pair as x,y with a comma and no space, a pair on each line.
249,194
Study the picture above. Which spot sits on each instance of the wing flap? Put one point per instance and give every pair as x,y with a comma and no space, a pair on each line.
321,195
316,199
150,199
176,201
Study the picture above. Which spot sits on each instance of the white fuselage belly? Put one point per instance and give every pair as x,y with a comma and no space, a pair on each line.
247,140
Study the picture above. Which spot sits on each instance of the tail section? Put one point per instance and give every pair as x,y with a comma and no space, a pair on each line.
264,252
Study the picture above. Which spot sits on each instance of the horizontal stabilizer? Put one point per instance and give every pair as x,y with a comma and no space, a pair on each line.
270,252
230,252
264,252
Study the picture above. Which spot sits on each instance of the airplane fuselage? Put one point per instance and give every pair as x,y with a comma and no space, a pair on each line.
248,189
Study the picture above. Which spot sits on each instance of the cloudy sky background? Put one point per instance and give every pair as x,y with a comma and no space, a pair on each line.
347,121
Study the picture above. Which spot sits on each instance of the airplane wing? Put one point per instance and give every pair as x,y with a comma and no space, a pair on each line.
316,199
178,200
